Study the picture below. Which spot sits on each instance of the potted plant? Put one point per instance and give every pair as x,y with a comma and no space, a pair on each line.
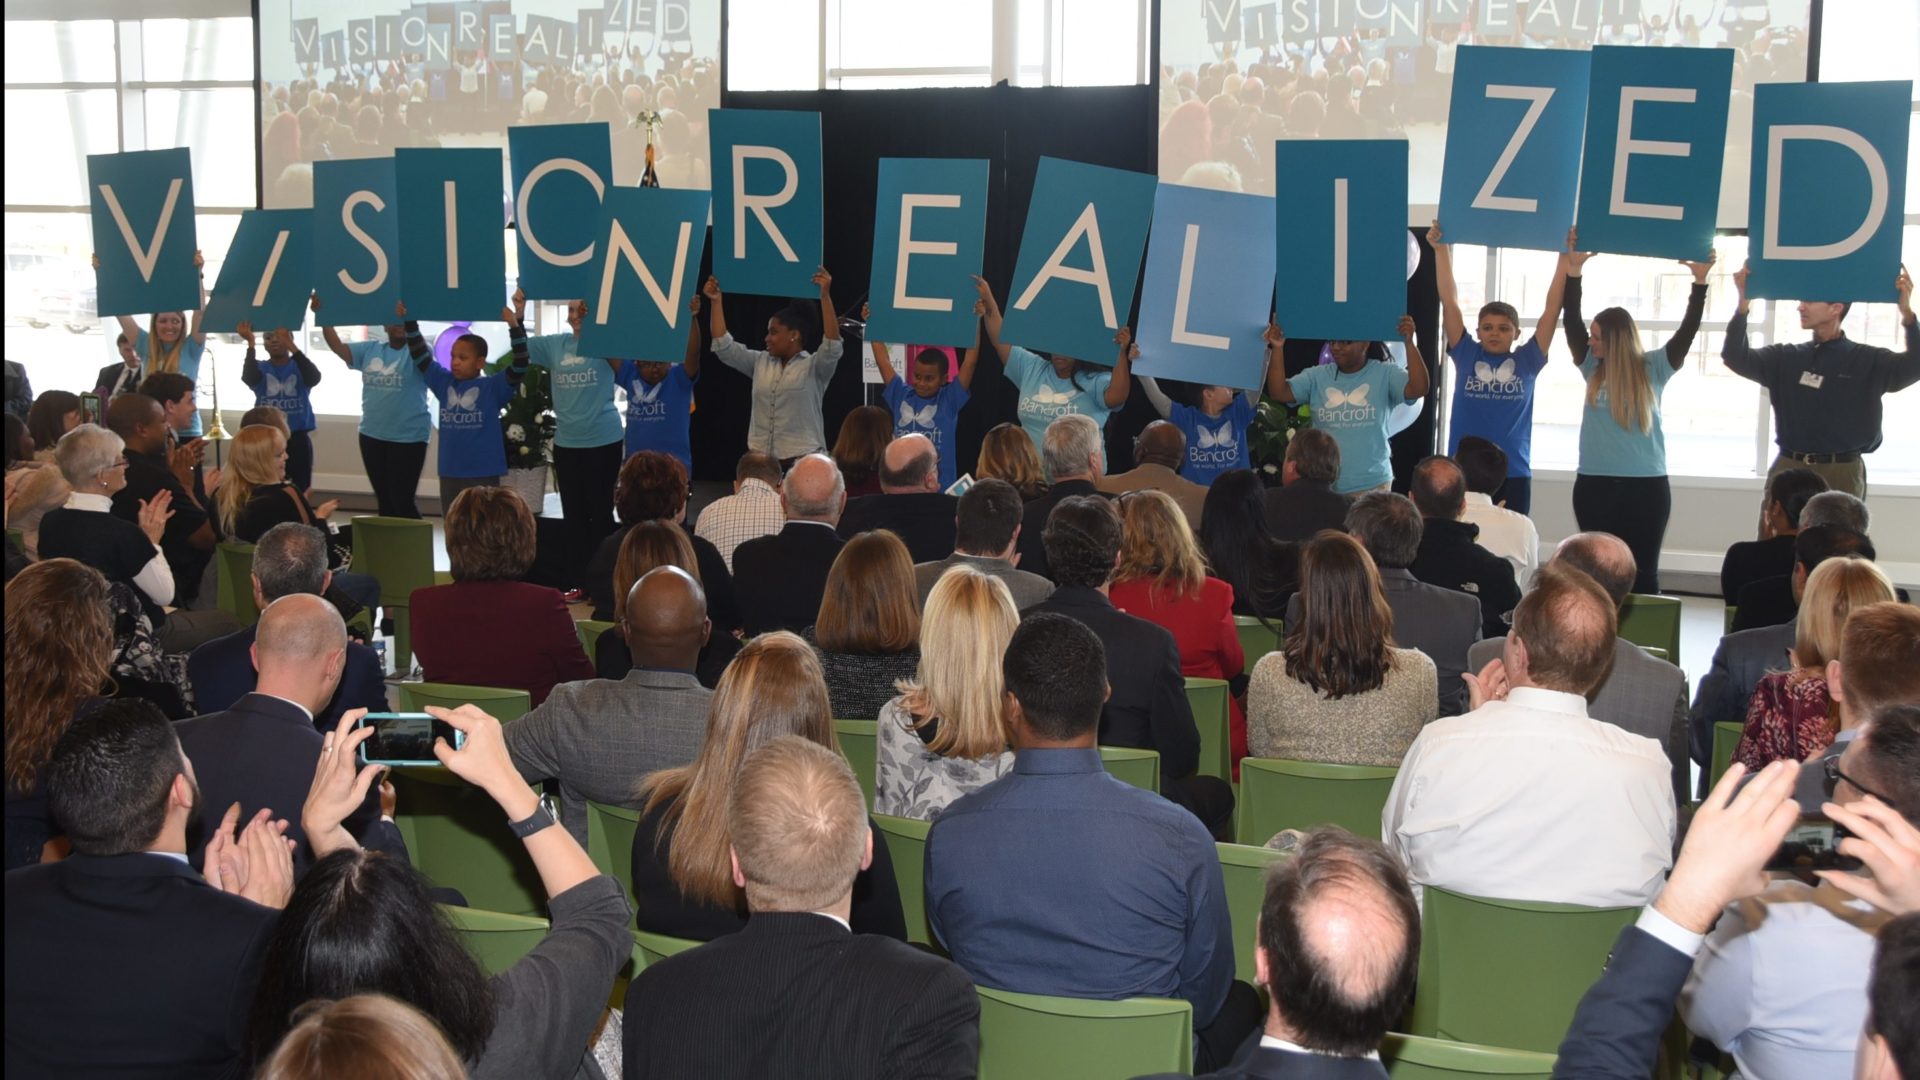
1272,429
527,426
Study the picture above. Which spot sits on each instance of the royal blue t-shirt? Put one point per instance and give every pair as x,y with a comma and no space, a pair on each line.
1215,444
658,416
1493,398
583,412
393,393
191,352
1354,409
937,417
282,387
471,443
1046,397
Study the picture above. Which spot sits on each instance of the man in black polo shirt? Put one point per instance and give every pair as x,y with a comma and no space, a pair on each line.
189,540
1826,392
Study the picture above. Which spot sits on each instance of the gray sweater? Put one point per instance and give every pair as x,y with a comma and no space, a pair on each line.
1287,719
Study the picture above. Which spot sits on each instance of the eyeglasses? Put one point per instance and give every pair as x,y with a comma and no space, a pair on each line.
1830,769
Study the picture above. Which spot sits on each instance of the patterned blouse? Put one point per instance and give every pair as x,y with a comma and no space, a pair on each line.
1788,717
912,781
1288,719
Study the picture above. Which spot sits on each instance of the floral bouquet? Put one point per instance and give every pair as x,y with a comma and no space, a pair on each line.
1272,429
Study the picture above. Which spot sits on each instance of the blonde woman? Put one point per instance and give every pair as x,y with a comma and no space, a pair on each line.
1790,714
945,735
38,492
175,343
682,868
1008,453
1621,487
254,496
367,1035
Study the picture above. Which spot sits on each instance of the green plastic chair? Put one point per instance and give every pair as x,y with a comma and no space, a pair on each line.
1508,972
1258,638
1141,768
907,850
502,704
398,551
495,939
1732,611
458,837
590,631
1652,620
1726,738
362,623
653,948
234,593
610,831
1411,1057
1277,794
859,742
1244,869
1656,652
1208,700
1028,1035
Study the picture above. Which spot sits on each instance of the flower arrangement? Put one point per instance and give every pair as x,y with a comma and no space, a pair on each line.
527,421
1272,429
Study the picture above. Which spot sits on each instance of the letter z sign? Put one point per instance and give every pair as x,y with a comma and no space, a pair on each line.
1513,146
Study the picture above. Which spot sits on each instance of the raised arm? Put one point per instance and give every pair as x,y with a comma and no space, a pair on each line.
1681,343
1906,363
1575,262
1417,378
330,335
1162,404
691,361
969,360
1453,325
309,371
517,334
417,346
483,761
1122,383
127,325
1550,319
829,321
881,358
1735,351
989,312
250,368
195,329
1277,386
717,313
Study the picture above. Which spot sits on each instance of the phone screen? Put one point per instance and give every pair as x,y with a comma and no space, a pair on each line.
1813,844
405,738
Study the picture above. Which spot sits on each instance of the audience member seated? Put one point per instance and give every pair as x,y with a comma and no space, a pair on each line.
363,923
1075,456
1889,1045
653,487
188,538
1339,690
1162,578
945,734
1148,707
682,878
868,634
1507,533
1449,555
368,1035
51,416
1772,555
259,753
1007,453
255,495
59,644
752,511
1241,552
1642,693
595,736
647,547
290,559
1875,670
37,493
1775,600
1491,803
986,537
489,628
782,578
1109,892
910,504
121,960
796,993
1740,661
1838,509
1305,502
1158,452
859,448
1790,714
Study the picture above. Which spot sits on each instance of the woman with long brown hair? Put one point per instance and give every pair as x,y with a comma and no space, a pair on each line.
682,873
1338,691
868,632
649,546
862,442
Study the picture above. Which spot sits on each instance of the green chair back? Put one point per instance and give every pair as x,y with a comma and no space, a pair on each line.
1028,1035
653,948
907,850
502,704
460,840
610,832
234,593
1656,652
496,939
1508,972
1411,1057
1258,638
1726,737
1277,794
1244,870
362,623
1733,610
1208,700
399,552
1652,621
859,741
590,631
1141,768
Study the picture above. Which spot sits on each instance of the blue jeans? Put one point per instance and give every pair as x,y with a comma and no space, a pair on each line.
364,588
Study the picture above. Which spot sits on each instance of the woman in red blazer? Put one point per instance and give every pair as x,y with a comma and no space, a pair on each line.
488,628
1162,578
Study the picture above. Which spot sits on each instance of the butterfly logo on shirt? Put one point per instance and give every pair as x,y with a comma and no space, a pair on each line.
920,418
1047,395
1356,398
377,366
1487,377
572,359
645,392
1220,438
463,399
286,387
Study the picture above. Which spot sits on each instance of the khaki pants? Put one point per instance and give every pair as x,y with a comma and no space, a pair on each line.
1847,476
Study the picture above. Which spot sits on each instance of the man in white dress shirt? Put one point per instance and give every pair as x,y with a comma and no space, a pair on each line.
1526,797
1506,533
752,511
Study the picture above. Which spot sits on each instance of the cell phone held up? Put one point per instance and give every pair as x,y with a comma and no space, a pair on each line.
406,739
1813,844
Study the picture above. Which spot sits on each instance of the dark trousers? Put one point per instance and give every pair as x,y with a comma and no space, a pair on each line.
1516,494
586,477
300,459
1633,508
451,486
1208,797
393,468
1215,1045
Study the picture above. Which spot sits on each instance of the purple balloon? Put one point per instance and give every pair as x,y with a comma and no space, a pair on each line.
443,345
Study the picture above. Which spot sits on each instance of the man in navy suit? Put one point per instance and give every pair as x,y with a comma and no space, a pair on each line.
781,579
290,559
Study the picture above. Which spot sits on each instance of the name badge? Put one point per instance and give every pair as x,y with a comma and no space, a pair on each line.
1809,379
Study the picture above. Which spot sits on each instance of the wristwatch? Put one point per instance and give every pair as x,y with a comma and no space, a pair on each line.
532,823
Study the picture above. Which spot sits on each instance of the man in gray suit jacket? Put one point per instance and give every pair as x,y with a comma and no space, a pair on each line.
1644,695
986,534
598,737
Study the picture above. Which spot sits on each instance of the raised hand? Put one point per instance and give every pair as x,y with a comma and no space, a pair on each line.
1728,844
518,313
339,786
211,481
222,865
1273,335
866,311
822,279
1740,281
1489,685
245,330
400,310
482,758
154,513
1888,844
1406,328
199,260
1576,259
711,289
986,295
1123,337
1700,269
269,861
313,303
1433,233
1903,286
507,316
325,510
693,305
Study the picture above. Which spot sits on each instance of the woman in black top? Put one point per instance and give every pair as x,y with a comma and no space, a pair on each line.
86,530
255,495
1242,552
868,631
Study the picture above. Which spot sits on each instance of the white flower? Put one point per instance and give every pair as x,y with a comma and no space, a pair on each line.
516,433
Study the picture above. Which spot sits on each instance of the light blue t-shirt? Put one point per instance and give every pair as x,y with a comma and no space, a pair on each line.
1493,398
658,416
191,352
471,442
1606,448
1215,444
937,417
583,412
393,393
282,387
1354,409
1046,397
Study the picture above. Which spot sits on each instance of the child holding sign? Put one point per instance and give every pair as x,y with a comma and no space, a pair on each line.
1352,400
473,452
660,398
393,414
788,381
931,405
1052,388
173,345
285,380
1216,429
586,429
1493,397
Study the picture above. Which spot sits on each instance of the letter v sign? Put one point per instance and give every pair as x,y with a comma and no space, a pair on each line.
1223,20
143,257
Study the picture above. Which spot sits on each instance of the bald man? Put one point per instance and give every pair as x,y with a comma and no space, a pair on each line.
260,752
781,578
1159,449
598,736
910,502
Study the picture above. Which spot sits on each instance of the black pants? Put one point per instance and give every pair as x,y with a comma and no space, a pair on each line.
1633,508
1215,1045
1208,797
451,486
393,468
1517,494
586,477
300,459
